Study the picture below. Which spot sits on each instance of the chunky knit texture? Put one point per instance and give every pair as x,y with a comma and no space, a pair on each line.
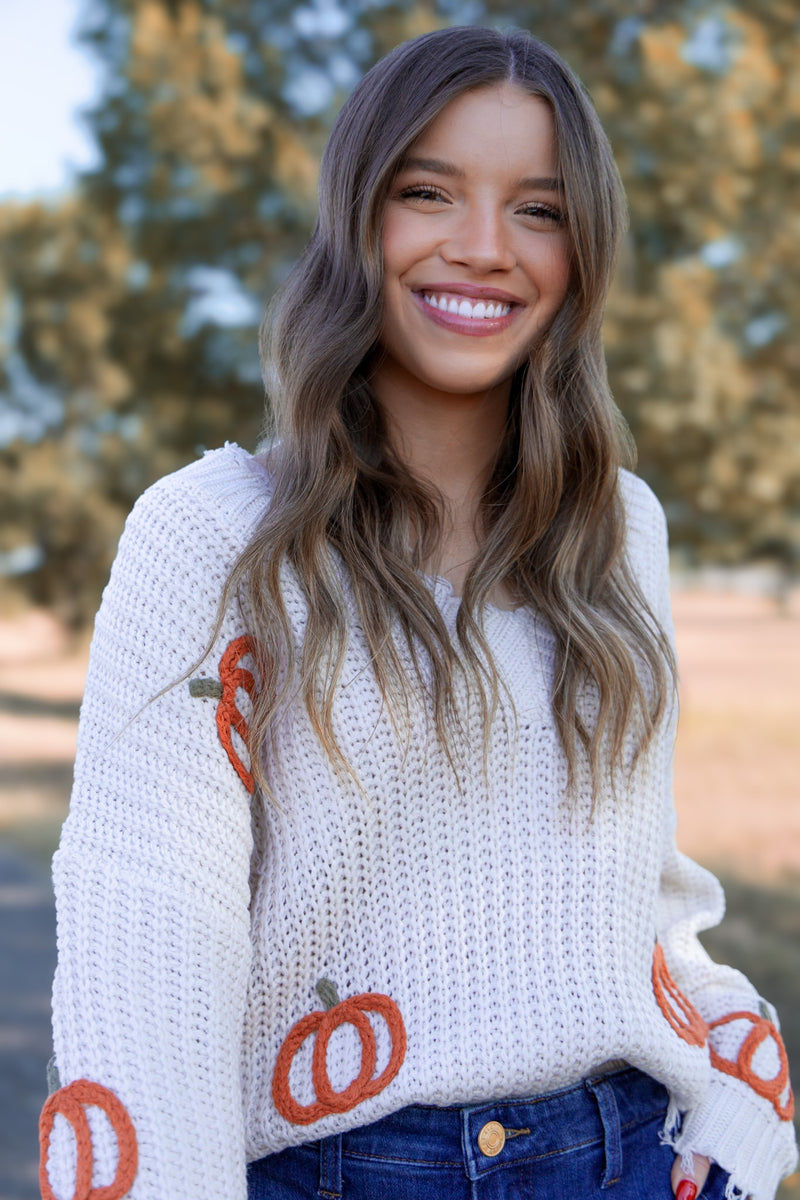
467,945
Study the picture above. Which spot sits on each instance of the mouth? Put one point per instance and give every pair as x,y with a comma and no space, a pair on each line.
482,312
462,306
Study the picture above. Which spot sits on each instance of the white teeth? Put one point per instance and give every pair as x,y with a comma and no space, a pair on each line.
477,310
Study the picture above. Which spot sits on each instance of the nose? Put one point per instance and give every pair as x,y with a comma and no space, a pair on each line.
479,239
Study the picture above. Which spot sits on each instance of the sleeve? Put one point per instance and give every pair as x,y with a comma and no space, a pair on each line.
745,1120
152,888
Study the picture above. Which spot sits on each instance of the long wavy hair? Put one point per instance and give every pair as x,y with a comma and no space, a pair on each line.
552,520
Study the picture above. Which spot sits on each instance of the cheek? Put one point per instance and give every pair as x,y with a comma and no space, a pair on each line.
406,242
558,268
553,280
395,241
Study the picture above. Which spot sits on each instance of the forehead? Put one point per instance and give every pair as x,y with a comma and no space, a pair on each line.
496,125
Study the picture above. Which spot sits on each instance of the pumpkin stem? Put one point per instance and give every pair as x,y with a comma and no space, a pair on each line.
205,687
327,993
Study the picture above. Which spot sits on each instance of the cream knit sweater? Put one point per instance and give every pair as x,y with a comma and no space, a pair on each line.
509,939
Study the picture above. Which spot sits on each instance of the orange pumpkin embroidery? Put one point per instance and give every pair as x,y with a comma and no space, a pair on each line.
681,1014
229,717
742,1068
323,1023
71,1101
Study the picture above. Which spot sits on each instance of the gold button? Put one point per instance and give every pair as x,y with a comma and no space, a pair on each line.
491,1139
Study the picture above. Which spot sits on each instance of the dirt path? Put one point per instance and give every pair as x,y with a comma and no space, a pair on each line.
737,765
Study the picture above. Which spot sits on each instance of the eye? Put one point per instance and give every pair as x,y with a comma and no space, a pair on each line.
423,192
543,214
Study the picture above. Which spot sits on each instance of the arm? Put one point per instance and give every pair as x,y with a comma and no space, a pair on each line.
745,1120
744,1123
151,876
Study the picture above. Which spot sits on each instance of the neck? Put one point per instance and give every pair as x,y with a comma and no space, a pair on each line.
450,441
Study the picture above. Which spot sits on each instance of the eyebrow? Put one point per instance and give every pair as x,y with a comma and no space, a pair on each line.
542,183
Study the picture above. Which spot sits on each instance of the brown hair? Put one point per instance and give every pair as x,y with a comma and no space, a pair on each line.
551,515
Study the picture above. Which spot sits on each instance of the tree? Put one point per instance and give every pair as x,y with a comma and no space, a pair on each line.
699,342
131,311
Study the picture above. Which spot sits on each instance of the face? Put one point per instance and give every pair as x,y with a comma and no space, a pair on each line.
475,247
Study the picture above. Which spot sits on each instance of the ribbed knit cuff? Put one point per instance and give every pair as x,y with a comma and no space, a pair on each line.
741,1132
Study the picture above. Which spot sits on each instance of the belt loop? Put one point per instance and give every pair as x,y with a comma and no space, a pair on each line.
330,1166
603,1092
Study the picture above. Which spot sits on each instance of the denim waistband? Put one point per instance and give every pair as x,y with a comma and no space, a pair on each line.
594,1111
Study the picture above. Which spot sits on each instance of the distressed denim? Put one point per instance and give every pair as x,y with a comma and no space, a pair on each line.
596,1139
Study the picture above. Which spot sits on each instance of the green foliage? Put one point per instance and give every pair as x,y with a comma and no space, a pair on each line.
129,313
699,330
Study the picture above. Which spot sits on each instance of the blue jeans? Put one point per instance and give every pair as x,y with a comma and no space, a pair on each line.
596,1139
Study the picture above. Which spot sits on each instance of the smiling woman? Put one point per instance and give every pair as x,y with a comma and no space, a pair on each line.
384,900
475,243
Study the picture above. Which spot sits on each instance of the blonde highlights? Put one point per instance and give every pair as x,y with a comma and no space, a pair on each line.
344,509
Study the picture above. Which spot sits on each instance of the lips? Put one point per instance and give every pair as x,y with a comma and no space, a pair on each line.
467,308
473,291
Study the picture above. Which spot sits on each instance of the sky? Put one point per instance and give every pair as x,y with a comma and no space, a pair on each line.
45,79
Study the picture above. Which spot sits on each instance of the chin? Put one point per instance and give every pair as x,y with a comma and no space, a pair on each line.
466,385
463,375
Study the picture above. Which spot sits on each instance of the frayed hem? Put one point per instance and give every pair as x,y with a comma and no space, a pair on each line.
687,1164
734,1192
672,1125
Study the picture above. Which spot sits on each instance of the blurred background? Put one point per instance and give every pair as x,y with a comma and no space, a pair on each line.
158,163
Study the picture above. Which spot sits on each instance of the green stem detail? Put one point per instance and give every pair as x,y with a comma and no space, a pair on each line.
327,993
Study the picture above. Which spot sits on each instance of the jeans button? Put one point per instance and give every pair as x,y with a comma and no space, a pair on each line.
491,1139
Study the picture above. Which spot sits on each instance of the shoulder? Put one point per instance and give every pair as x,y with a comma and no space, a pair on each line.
645,522
230,481
180,543
183,536
644,516
210,505
646,545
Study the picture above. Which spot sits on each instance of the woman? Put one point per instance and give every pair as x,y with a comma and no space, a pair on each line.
382,896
